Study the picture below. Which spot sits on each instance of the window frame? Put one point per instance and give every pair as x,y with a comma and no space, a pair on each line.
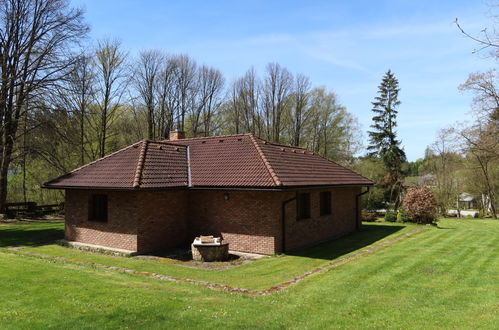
325,203
303,206
98,208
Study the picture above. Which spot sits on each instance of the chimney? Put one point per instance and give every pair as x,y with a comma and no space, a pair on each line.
177,135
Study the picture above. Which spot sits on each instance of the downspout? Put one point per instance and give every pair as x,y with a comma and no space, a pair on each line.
283,222
357,215
189,178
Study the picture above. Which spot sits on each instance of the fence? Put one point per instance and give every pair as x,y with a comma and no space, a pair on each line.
31,210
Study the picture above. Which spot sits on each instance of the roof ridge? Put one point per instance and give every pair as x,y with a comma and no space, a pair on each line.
265,161
167,143
140,164
208,137
284,145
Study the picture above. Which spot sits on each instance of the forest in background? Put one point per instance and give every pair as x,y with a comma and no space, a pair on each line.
66,100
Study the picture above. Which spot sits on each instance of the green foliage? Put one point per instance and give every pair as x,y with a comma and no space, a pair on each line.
391,216
383,140
401,216
372,168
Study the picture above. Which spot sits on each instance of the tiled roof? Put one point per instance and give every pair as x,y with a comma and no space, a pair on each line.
295,166
239,161
226,161
145,164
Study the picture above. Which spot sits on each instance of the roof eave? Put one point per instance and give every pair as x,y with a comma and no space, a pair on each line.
242,188
113,188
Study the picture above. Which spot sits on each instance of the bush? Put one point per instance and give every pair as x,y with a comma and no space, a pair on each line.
390,216
369,216
401,216
476,216
420,205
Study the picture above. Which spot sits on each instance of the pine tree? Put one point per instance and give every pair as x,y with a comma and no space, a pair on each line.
383,141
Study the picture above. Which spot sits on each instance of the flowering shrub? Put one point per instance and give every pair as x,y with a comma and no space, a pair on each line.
420,205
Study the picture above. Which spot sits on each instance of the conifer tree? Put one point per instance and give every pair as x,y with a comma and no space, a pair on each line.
383,142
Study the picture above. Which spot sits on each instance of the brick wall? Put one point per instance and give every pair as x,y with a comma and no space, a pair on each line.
162,220
342,220
120,231
248,220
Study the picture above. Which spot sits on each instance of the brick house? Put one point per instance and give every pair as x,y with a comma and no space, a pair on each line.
259,196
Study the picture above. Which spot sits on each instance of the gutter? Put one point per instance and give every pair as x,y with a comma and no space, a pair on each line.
283,222
357,204
234,188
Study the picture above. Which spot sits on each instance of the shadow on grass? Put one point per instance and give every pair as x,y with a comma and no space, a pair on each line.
29,235
368,235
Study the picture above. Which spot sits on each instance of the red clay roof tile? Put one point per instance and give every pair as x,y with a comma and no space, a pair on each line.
241,161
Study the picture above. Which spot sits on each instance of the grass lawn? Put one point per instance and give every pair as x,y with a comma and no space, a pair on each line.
440,277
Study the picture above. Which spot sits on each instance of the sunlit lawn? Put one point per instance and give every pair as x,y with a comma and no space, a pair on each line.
440,277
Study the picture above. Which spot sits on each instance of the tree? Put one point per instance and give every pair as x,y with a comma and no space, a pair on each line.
111,84
146,73
383,139
444,163
244,99
480,138
206,94
185,76
329,129
276,94
301,95
486,40
35,37
74,95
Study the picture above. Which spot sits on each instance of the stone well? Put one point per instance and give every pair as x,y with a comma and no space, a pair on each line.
207,248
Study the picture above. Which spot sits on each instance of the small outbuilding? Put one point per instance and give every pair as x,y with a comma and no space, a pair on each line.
260,197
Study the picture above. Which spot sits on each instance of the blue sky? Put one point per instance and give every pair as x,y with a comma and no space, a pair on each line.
345,46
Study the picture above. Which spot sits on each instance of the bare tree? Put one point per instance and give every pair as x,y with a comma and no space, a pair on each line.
112,79
276,94
443,164
34,38
248,92
485,87
300,103
145,80
484,147
185,74
209,89
75,95
167,96
480,139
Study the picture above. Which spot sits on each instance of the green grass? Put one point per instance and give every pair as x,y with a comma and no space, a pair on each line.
257,275
30,232
444,277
